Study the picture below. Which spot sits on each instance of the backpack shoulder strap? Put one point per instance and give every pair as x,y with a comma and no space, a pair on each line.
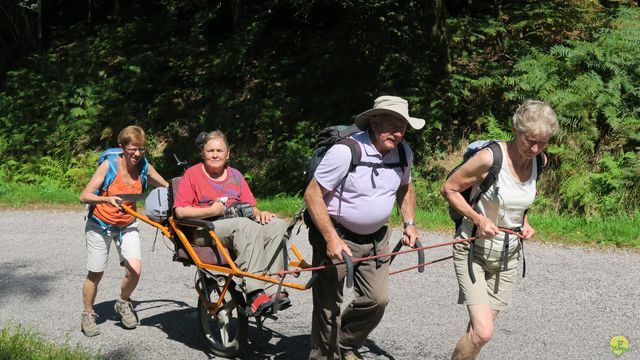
492,174
540,163
111,172
356,151
144,173
402,154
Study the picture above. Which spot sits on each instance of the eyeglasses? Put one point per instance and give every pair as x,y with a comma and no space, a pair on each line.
134,149
532,142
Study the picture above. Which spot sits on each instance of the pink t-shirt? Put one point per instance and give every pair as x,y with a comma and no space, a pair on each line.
197,189
366,201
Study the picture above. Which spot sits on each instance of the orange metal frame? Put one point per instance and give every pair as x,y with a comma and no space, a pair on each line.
231,269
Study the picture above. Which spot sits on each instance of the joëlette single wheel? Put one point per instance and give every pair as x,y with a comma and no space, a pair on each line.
226,331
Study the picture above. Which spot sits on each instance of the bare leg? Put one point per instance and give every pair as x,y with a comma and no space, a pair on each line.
130,280
90,290
479,332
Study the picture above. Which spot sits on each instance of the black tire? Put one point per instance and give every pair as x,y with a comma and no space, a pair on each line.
225,333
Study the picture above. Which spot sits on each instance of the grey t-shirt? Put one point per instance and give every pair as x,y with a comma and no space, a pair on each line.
367,199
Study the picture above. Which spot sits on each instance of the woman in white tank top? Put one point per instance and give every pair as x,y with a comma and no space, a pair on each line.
486,279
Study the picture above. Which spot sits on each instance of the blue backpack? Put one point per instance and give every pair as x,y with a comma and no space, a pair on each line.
111,155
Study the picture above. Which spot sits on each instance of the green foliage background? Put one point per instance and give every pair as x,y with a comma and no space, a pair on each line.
274,73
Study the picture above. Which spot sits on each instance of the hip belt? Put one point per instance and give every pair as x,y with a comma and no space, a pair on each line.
346,234
361,239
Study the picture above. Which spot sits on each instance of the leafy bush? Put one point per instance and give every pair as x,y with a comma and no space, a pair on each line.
271,74
593,88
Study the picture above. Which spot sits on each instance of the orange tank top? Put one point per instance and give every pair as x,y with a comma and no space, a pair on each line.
111,214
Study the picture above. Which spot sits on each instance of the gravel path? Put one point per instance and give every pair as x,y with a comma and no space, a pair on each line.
572,302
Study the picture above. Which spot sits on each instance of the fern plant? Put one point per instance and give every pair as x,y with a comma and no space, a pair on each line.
593,86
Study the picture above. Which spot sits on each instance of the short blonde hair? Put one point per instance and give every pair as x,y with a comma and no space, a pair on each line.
131,134
535,117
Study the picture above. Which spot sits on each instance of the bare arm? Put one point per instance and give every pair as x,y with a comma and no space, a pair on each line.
470,174
190,212
156,179
313,196
406,199
88,195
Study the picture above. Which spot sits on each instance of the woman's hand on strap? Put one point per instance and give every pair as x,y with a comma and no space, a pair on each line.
486,228
527,231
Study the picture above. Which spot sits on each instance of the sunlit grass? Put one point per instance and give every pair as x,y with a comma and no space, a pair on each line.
18,195
18,343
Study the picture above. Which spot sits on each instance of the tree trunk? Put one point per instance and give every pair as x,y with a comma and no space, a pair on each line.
40,21
89,3
116,10
435,17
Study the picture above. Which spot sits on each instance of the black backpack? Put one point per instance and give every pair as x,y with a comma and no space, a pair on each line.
340,134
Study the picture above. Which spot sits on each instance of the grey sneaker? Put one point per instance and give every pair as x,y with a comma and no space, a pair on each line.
88,324
353,355
128,316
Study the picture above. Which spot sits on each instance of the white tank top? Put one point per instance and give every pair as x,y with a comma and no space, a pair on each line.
504,203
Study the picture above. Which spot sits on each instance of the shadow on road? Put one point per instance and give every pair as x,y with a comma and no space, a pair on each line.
270,344
179,324
18,279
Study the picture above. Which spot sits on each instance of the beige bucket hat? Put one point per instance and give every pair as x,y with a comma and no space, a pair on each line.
392,105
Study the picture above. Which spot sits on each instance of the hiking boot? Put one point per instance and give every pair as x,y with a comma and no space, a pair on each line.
259,303
283,300
128,316
88,324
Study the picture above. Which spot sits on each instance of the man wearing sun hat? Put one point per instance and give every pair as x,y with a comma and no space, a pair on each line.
349,210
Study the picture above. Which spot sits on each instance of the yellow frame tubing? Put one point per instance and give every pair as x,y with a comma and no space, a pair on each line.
231,269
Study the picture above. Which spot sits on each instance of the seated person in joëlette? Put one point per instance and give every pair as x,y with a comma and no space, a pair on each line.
210,188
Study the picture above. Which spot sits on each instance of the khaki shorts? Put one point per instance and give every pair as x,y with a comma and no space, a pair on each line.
493,286
99,244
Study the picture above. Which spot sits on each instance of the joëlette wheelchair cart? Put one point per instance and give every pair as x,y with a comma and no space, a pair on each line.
221,304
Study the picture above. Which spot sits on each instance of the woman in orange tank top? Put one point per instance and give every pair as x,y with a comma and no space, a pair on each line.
107,223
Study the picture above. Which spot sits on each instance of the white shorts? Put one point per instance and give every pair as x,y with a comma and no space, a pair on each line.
99,243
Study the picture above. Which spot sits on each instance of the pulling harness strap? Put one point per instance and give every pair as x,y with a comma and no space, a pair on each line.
107,228
524,260
470,258
505,253
373,238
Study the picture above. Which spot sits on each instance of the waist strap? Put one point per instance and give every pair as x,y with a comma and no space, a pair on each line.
107,229
346,234
373,238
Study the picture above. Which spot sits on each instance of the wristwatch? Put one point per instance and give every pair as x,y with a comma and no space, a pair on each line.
409,223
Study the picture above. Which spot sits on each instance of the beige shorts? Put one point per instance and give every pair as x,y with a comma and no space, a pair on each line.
99,244
493,286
